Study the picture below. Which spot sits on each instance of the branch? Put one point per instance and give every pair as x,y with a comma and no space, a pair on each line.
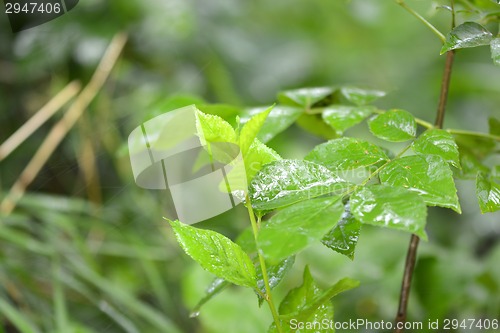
445,86
412,249
422,19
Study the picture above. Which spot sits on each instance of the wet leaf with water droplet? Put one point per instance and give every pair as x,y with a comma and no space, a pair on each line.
495,51
296,227
285,182
346,154
390,207
427,175
468,34
342,117
438,142
304,97
361,96
488,193
216,254
394,125
217,285
343,238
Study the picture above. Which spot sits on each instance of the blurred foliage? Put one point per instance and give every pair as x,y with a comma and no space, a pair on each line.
72,260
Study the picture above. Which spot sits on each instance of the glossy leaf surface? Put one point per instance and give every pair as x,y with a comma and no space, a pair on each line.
361,96
216,254
468,34
495,51
390,207
217,285
304,97
275,273
346,154
342,117
296,227
285,182
428,175
438,142
343,238
488,193
394,125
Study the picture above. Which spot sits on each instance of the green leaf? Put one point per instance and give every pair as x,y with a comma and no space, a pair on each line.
494,125
361,96
305,300
243,172
390,207
479,146
296,227
346,154
279,119
213,128
250,130
299,298
216,254
246,240
217,285
304,97
343,238
313,123
427,175
488,193
342,117
275,273
468,34
470,164
285,182
394,125
438,142
257,156
495,50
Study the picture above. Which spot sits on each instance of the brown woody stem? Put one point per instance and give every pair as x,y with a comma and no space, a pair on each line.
411,256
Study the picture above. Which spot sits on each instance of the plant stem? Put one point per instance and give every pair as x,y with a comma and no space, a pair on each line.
374,173
472,133
445,85
421,19
414,241
268,296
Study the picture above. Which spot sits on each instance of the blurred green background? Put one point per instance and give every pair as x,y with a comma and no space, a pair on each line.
91,253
